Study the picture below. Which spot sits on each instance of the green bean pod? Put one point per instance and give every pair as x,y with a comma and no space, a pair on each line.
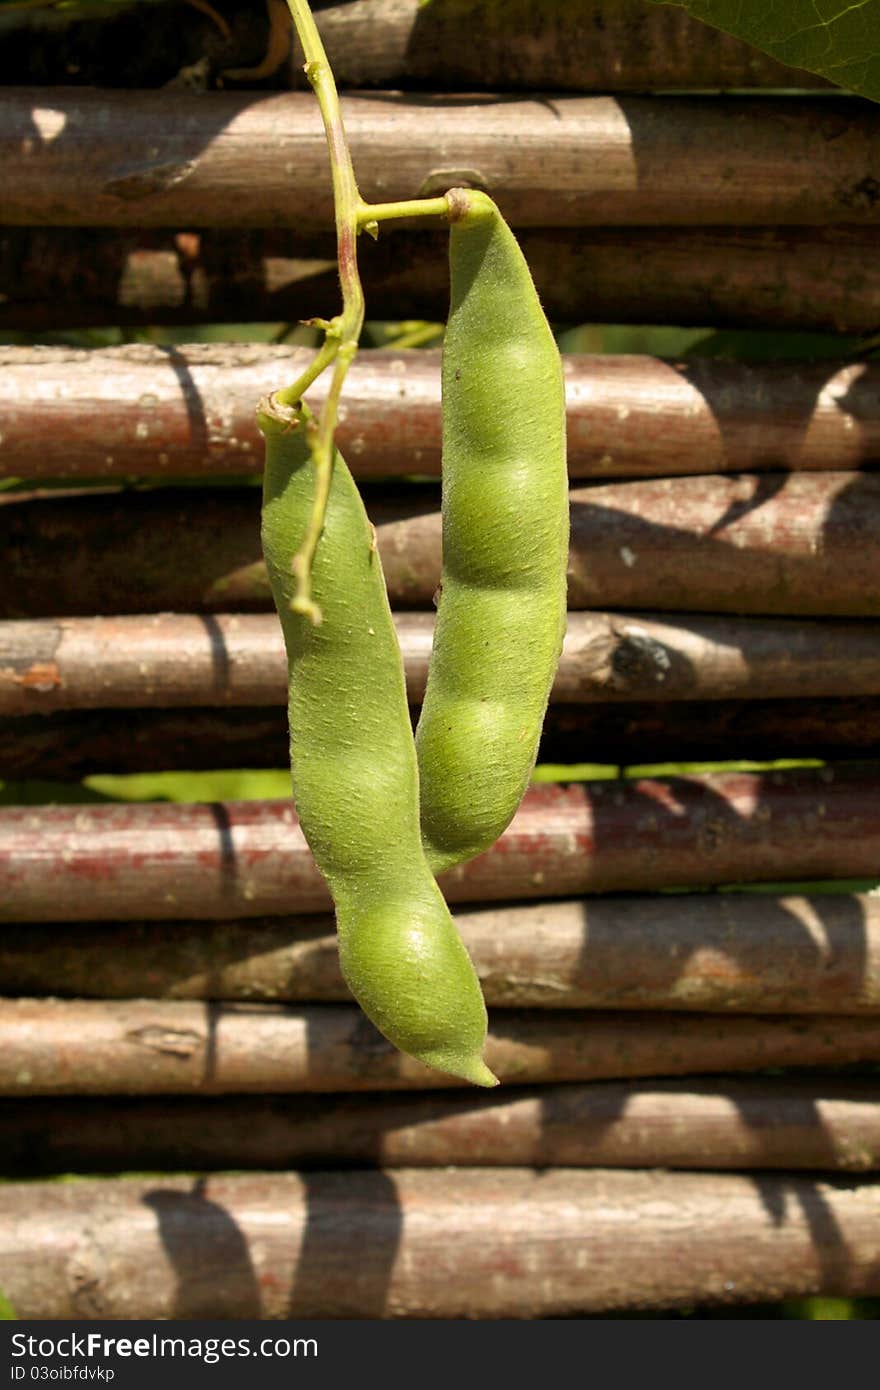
354,770
502,606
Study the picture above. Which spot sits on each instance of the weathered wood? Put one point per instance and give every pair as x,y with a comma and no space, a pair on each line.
69,746
774,543
159,1047
249,859
89,158
483,1244
162,660
729,952
573,45
824,278
628,735
176,411
553,45
794,1123
798,543
176,660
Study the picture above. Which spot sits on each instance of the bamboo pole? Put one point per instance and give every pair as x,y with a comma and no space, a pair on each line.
823,278
482,1244
724,952
90,157
53,1047
174,412
178,660
794,1123
69,746
763,544
250,859
129,861
380,43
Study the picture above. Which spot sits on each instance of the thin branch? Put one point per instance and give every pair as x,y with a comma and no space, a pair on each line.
342,332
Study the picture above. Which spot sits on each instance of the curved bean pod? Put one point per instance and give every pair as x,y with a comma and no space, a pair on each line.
354,768
501,613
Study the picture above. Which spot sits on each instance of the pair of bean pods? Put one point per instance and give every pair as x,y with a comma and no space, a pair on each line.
384,813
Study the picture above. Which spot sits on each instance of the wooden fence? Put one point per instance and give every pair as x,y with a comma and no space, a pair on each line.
689,1110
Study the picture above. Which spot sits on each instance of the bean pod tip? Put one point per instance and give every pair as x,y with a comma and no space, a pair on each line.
477,1072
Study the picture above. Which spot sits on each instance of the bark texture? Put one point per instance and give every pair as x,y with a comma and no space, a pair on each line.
793,1123
177,412
764,544
178,660
250,859
560,45
823,278
69,746
486,1244
91,158
724,952
53,1047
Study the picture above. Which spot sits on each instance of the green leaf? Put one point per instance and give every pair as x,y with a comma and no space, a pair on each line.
7,1312
836,39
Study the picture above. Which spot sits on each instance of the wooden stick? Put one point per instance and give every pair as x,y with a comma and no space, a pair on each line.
753,544
626,734
177,411
381,43
179,660
730,952
249,859
202,665
159,1047
786,544
482,1244
69,746
184,159
823,278
795,1123
541,46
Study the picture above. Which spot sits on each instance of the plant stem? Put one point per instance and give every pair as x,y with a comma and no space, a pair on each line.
416,337
373,213
342,332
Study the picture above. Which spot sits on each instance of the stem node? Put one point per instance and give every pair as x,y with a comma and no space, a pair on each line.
342,333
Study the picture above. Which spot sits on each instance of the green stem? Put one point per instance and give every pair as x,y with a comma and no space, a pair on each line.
343,332
371,214
415,337
291,395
